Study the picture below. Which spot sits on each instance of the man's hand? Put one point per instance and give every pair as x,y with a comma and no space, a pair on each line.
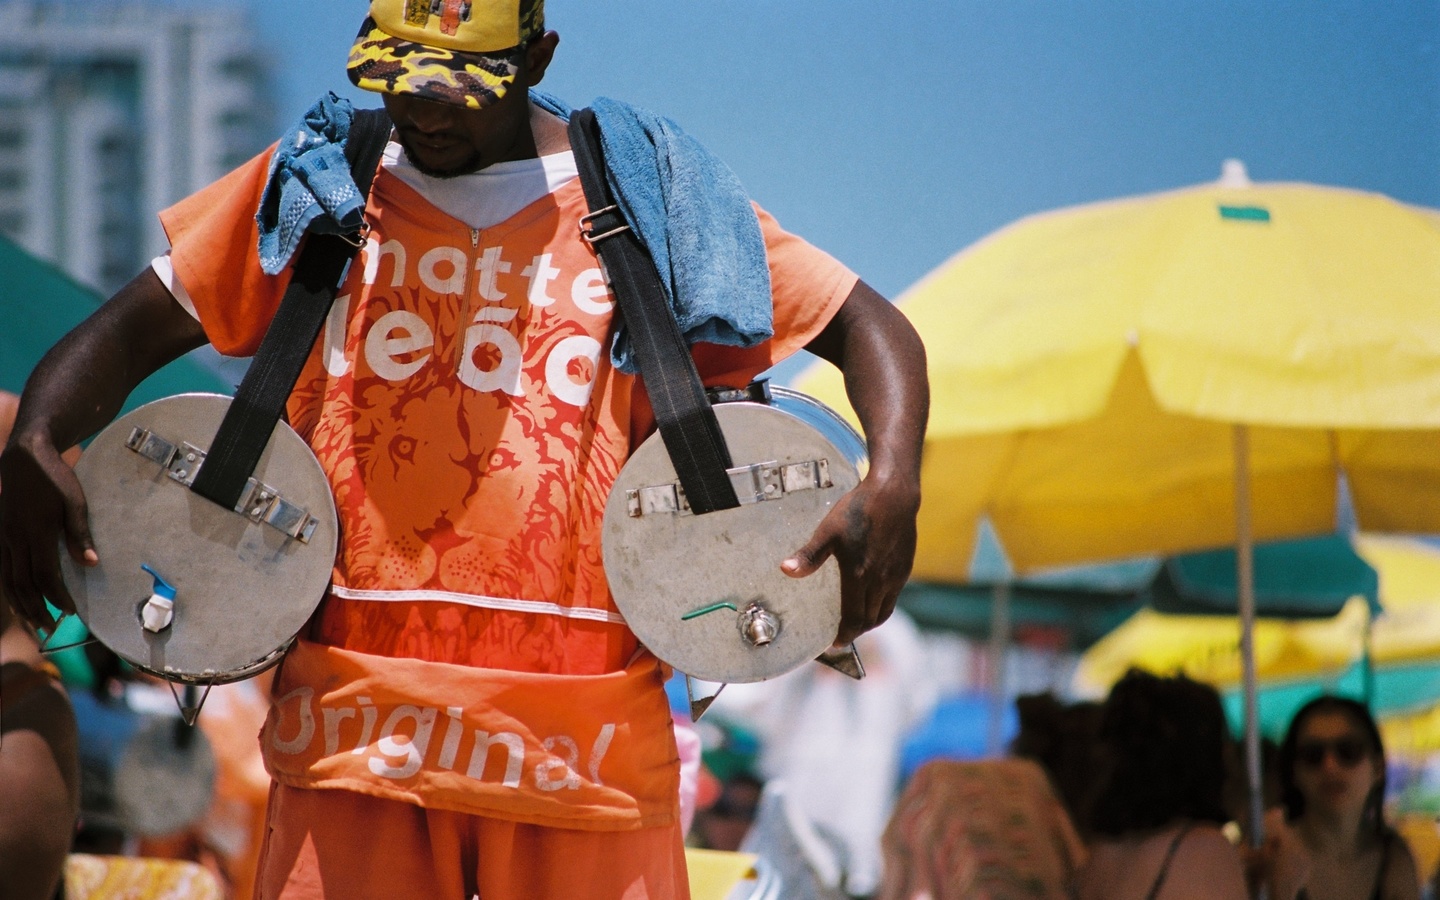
871,531
79,386
41,502
871,534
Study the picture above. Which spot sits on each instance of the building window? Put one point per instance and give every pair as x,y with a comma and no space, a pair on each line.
119,201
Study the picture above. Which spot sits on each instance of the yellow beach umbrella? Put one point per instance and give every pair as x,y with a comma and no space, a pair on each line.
1088,367
1178,371
1207,648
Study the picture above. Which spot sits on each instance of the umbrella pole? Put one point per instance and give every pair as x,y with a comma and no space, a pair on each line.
1245,579
999,650
1367,660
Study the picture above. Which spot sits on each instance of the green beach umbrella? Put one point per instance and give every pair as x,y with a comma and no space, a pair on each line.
39,304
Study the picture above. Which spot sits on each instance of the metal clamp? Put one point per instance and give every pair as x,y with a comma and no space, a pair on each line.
587,222
754,483
259,502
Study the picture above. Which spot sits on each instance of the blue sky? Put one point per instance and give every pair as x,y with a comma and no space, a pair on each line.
894,134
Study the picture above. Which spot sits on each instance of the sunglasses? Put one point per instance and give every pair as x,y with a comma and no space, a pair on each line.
1348,752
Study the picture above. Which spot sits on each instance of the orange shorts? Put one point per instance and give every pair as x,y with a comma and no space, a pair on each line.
339,844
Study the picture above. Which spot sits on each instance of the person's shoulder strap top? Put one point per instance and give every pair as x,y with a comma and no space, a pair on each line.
1165,864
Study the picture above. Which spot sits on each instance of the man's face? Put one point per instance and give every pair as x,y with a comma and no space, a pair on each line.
444,140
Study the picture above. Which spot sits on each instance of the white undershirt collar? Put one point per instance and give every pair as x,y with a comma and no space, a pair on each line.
488,197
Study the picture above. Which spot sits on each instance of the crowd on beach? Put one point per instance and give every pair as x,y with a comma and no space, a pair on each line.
1144,796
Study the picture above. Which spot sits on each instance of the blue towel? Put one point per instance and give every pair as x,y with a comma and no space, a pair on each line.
696,220
688,208
310,185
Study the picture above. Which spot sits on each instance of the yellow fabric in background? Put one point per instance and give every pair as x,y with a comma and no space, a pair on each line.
90,877
714,873
1422,835
1409,628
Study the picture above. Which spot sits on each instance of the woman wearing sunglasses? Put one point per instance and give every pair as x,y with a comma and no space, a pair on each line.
1331,841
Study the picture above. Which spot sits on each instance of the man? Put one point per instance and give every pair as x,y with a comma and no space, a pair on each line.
468,712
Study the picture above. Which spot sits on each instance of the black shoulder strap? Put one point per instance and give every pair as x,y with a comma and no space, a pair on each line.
260,400
1165,864
683,413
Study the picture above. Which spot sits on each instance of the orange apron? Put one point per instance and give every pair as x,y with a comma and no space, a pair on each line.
592,752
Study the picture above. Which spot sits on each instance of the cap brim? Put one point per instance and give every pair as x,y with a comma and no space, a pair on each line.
384,63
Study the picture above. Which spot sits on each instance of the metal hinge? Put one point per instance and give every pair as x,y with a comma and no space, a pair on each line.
258,502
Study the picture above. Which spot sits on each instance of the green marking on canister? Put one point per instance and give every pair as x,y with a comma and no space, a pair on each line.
1245,213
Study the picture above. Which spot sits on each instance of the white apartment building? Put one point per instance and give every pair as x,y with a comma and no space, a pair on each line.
111,111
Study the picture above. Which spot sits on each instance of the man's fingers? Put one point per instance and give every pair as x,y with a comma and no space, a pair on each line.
43,506
77,538
59,595
45,571
852,608
868,599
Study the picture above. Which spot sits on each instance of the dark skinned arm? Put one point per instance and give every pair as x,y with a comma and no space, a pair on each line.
78,387
871,531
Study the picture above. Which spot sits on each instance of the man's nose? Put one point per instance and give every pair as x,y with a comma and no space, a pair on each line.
431,117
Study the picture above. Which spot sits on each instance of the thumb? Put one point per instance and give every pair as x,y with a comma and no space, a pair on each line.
808,558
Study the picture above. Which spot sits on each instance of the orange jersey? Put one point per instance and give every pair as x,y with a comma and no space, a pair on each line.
463,404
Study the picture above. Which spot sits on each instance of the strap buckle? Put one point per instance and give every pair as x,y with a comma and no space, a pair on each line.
359,236
587,222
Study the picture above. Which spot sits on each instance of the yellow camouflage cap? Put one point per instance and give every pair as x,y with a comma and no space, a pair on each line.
464,52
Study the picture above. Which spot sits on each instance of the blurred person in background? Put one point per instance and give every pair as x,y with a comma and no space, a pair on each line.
990,828
1156,821
998,828
1064,739
39,756
1330,840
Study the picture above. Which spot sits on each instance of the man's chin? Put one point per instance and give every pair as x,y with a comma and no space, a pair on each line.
438,170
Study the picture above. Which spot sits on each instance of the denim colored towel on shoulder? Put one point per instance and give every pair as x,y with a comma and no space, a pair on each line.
310,186
694,217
